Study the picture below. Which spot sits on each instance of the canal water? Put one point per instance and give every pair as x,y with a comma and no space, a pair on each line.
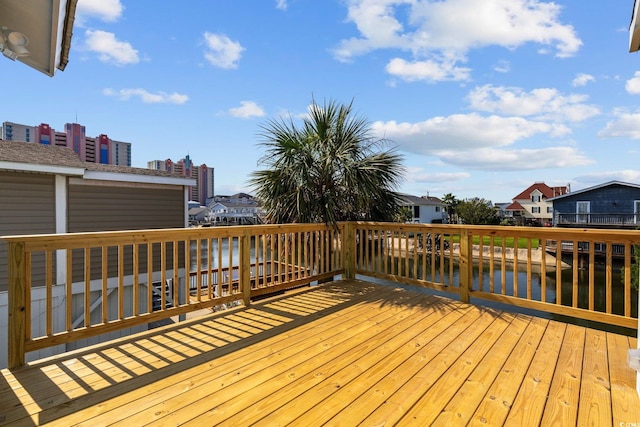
483,278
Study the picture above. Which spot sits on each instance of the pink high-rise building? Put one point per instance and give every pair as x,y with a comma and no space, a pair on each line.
100,149
203,175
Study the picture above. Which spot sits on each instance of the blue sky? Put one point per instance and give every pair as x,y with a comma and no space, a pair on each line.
482,98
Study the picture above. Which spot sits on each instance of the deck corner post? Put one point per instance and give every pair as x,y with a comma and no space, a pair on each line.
349,250
466,265
17,305
245,268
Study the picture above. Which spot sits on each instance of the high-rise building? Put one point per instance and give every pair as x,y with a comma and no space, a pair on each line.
203,175
100,149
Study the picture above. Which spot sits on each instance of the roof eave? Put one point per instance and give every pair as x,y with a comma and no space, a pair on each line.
634,30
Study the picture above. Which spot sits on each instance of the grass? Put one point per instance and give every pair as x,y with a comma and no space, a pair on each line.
497,241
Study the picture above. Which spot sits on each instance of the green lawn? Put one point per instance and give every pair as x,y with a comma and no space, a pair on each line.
497,241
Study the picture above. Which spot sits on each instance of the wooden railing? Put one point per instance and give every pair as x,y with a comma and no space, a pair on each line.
477,262
96,283
599,219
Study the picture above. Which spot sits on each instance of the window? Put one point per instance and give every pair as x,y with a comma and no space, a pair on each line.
437,208
582,210
549,209
535,209
535,199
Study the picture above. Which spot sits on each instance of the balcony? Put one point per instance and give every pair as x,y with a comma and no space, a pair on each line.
599,220
393,340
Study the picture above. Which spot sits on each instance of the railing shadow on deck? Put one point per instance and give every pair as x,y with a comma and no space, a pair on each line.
178,348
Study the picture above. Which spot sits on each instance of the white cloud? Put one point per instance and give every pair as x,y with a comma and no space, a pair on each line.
222,51
438,31
109,49
281,4
542,103
502,66
429,70
625,125
463,132
105,10
480,142
582,79
147,97
627,175
247,110
633,84
516,159
416,174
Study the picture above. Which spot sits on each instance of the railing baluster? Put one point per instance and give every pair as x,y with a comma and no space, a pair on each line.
69,293
120,282
87,287
627,278
49,291
609,276
559,272
574,284
543,270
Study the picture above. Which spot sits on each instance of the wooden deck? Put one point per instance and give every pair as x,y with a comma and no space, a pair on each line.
346,353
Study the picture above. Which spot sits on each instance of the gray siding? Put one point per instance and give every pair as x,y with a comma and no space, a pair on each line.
613,199
27,206
107,208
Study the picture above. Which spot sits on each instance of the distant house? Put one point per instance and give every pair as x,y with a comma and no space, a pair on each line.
240,208
613,204
501,208
532,206
48,189
425,209
200,215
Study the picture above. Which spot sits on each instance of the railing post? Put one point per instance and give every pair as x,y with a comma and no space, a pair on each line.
466,265
17,304
349,249
245,268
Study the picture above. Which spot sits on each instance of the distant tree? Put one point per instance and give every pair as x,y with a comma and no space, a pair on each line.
477,211
404,214
329,169
451,203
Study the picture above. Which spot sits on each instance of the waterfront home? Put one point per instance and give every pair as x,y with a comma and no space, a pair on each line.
612,204
425,209
48,189
532,206
240,208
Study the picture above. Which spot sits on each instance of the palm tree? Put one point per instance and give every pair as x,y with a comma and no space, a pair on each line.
327,170
451,203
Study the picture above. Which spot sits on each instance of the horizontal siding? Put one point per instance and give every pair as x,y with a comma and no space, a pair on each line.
102,208
601,200
27,206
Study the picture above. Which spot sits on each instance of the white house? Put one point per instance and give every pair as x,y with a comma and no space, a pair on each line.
425,209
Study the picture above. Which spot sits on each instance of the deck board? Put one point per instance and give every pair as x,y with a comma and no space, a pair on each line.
344,353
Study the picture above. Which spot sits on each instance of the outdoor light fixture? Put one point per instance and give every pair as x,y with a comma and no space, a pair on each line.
13,44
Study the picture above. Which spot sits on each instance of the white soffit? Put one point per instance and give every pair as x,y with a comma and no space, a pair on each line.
31,32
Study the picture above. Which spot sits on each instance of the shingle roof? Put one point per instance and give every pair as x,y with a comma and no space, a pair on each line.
32,153
424,200
51,155
515,206
547,192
